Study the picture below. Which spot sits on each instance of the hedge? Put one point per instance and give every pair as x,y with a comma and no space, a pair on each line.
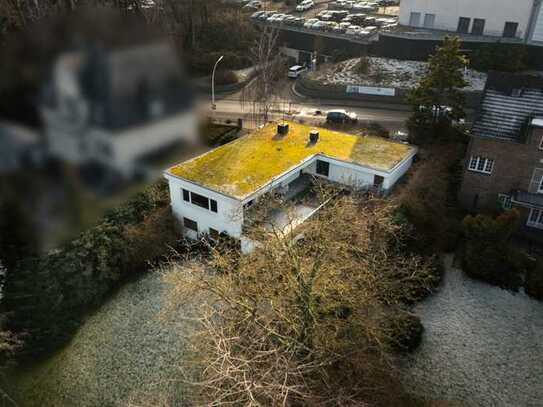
47,298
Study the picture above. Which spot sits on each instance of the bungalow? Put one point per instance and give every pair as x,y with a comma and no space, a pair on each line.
210,193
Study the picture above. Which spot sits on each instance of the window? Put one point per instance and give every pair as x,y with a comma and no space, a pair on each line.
541,144
510,30
214,234
323,168
429,20
213,205
540,187
199,200
190,224
505,201
478,26
378,181
414,19
535,220
463,25
481,164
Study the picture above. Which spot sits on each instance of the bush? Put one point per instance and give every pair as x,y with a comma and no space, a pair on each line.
489,255
428,201
225,77
406,331
533,285
47,297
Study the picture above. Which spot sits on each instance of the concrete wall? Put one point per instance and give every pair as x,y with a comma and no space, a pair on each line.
447,13
229,216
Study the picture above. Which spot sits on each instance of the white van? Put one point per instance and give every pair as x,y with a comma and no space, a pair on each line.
296,70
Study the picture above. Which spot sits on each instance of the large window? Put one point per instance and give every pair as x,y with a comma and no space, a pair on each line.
478,26
481,164
510,30
190,224
535,220
414,19
429,20
323,168
463,25
200,200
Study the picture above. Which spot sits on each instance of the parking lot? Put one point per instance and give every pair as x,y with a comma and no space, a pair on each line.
358,21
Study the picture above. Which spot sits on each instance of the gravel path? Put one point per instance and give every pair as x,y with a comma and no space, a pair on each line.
129,351
483,346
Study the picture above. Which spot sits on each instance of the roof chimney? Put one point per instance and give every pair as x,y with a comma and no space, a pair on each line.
313,136
282,128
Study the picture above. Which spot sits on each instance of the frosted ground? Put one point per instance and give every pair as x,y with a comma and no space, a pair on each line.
129,351
482,346
387,72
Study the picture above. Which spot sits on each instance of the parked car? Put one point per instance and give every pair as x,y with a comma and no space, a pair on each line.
296,70
319,25
253,5
353,30
309,23
305,5
341,116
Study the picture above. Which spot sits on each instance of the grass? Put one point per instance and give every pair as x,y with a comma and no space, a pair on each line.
248,163
130,350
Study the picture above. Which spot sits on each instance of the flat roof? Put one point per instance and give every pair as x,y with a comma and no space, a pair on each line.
247,164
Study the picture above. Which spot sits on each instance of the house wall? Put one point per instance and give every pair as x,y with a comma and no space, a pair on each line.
514,165
229,216
447,13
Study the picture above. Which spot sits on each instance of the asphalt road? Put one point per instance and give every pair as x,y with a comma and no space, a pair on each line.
290,105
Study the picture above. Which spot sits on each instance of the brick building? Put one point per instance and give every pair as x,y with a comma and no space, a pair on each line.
504,162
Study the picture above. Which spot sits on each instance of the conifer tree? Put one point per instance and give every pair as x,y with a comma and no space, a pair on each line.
439,93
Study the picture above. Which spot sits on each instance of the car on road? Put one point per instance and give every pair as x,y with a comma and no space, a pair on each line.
340,116
320,25
296,70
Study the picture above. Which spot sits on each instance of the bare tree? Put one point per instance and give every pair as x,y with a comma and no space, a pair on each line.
269,65
303,320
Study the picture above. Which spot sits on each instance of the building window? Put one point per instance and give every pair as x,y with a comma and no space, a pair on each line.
481,164
214,234
429,20
323,168
200,200
478,26
510,30
414,20
535,220
541,144
505,201
463,25
190,224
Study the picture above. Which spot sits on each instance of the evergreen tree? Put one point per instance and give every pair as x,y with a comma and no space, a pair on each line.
438,96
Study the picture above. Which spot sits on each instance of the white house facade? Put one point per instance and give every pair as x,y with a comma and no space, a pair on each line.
213,206
520,20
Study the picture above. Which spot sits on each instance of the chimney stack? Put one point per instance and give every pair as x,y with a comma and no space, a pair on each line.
313,136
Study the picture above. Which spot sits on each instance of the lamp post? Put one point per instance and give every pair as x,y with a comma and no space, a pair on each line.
213,107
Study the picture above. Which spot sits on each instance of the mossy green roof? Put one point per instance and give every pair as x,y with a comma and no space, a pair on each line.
245,165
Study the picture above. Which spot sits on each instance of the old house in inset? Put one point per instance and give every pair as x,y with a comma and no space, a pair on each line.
114,107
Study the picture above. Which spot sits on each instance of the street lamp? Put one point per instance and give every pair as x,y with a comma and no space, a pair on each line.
213,107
